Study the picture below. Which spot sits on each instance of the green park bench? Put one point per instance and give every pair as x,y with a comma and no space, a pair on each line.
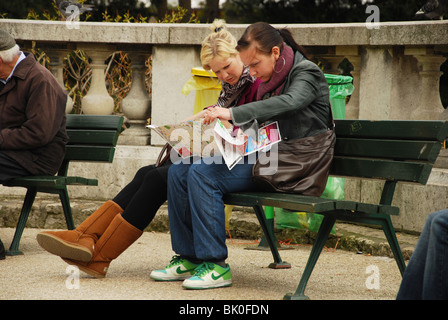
391,150
92,138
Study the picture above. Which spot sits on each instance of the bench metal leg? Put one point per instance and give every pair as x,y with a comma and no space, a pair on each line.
391,237
385,222
270,238
65,201
26,208
322,237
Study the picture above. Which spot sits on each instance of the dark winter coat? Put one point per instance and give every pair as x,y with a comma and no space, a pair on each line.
32,118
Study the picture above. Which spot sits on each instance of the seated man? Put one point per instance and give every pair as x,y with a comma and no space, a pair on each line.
32,115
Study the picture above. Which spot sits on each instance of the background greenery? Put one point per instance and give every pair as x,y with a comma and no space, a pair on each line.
237,11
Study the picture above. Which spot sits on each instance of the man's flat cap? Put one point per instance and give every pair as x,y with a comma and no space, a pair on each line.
6,40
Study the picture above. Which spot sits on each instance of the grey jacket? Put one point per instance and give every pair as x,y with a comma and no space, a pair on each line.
302,109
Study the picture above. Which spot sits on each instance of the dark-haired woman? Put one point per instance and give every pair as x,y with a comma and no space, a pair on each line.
293,92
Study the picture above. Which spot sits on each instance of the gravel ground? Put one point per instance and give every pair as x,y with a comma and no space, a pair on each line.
338,275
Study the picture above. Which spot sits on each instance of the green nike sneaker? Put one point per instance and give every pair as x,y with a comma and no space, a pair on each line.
209,275
178,269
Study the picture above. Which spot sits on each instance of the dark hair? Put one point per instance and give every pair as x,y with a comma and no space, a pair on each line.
268,37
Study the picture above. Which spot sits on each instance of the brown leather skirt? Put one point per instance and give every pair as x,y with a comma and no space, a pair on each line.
296,166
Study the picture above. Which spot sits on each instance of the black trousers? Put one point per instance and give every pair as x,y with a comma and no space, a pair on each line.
10,169
143,196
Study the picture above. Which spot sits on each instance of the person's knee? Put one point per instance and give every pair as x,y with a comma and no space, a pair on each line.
440,221
199,175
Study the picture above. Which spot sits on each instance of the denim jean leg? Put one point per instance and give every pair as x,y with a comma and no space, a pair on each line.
435,283
412,283
424,277
179,210
207,183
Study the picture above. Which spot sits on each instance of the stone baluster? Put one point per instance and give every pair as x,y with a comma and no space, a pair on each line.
97,100
333,62
136,106
429,106
353,56
56,67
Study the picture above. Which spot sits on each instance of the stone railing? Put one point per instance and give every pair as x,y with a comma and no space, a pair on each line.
396,68
396,72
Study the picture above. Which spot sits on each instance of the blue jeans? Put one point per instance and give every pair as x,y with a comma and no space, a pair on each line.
196,208
426,277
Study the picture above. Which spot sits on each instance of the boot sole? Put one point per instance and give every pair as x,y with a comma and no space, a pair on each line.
63,248
85,269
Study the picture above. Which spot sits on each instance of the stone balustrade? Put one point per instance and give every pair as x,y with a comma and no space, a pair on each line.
396,74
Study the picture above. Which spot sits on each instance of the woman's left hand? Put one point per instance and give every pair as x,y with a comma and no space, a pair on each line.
217,112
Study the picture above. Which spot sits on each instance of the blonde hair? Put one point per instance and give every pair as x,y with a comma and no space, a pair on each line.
218,43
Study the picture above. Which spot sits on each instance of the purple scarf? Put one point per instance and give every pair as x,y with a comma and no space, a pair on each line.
281,70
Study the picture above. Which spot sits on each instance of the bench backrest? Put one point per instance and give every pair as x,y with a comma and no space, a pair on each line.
91,138
390,149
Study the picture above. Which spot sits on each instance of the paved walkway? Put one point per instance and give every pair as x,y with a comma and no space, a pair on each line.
339,274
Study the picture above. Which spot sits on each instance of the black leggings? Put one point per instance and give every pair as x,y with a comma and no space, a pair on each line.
144,195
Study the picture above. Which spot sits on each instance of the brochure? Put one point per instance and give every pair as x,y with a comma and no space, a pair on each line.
190,138
234,148
193,138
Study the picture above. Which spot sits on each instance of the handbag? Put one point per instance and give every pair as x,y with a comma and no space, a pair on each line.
164,155
299,165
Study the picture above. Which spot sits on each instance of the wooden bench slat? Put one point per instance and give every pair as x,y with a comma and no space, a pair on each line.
381,169
48,181
89,153
96,122
393,129
391,149
281,200
95,137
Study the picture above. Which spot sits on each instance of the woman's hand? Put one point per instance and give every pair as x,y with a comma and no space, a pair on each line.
196,116
217,112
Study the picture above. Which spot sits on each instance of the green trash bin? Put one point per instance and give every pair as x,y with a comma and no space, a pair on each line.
340,87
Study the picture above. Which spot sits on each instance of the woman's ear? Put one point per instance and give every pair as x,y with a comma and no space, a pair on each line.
276,52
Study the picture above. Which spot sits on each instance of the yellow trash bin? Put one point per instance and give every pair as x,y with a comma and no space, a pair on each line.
207,88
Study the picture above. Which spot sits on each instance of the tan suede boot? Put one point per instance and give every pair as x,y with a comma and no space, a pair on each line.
115,240
78,244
